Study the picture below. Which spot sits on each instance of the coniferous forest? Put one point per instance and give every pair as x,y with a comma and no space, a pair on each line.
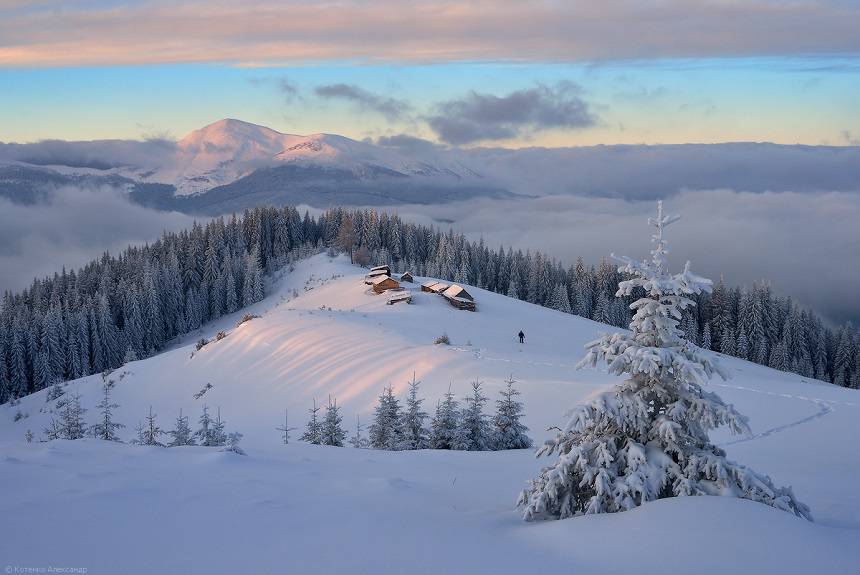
130,306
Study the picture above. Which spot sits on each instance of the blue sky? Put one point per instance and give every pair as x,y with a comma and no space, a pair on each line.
785,100
614,71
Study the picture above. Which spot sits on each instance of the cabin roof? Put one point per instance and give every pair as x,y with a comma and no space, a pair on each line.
379,279
457,292
383,267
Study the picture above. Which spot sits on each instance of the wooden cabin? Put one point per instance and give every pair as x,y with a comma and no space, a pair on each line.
385,268
434,287
398,297
457,291
368,279
384,283
407,277
459,297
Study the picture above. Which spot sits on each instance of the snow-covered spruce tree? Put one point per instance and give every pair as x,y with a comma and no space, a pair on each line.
332,428
181,434
150,431
508,431
648,438
313,431
445,423
219,436
204,434
72,424
231,443
414,431
286,429
386,429
357,440
475,431
106,428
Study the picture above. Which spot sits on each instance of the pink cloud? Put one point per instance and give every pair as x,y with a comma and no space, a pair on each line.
258,33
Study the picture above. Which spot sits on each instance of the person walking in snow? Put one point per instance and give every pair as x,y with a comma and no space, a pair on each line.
522,337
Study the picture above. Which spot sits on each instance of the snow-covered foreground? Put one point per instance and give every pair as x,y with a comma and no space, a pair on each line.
115,508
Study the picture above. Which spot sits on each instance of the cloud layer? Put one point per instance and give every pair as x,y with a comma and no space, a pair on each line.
256,32
78,224
391,108
480,117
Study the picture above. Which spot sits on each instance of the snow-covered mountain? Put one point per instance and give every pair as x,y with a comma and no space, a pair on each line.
223,152
231,165
284,507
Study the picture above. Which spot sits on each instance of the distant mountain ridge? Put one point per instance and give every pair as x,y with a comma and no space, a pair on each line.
231,165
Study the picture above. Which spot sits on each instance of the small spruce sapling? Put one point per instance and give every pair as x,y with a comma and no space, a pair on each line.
313,431
286,429
415,434
332,429
181,434
150,432
474,429
386,430
357,440
106,428
446,423
508,431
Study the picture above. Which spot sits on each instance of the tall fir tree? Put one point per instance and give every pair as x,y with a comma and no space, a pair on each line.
648,438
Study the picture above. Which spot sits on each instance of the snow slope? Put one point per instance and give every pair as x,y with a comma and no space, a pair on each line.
304,509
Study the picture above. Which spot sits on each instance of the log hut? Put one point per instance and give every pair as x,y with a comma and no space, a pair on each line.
459,297
384,283
368,279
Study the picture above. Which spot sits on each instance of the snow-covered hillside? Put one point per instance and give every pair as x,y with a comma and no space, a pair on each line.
298,508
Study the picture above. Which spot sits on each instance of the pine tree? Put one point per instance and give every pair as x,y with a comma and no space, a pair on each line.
508,431
204,434
231,443
252,289
357,440
71,424
706,337
475,429
286,429
181,434
151,431
602,309
386,430
106,428
728,346
313,432
332,428
743,346
415,434
445,423
219,436
648,438
560,300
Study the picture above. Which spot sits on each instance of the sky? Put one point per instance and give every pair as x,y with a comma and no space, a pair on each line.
538,74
